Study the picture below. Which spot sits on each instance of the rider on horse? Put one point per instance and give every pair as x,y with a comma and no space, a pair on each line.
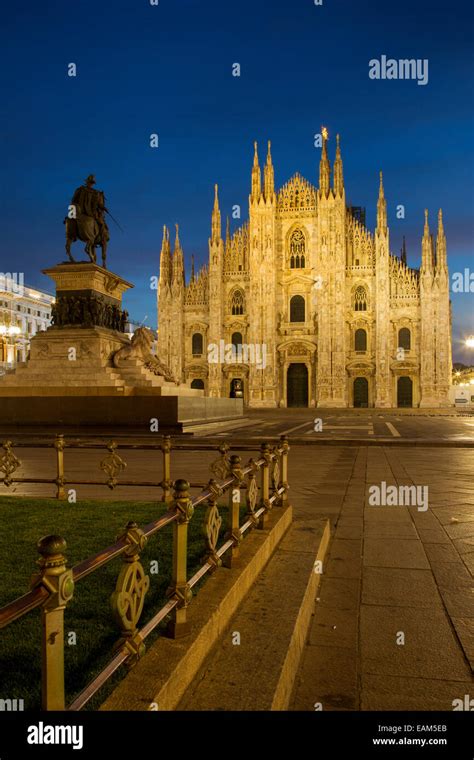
92,203
89,205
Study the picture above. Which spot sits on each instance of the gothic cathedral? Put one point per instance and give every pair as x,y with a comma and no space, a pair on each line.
304,306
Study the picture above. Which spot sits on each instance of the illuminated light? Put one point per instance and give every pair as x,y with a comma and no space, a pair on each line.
470,341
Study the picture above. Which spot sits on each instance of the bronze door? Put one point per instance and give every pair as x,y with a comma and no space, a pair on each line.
405,391
297,385
361,392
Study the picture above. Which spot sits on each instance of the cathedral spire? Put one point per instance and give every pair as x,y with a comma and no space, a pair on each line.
269,176
216,219
178,260
165,258
227,232
192,267
324,166
426,248
338,173
441,263
403,252
381,208
256,176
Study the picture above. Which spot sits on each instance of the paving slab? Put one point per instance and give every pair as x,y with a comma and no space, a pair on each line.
430,649
336,685
412,694
394,552
399,587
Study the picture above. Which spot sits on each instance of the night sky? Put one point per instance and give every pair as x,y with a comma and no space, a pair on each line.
167,69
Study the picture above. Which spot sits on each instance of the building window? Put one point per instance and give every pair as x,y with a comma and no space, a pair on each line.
297,309
197,344
297,250
404,338
360,340
360,299
237,303
199,384
236,339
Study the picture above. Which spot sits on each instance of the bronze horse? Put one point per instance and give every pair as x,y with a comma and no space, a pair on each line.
87,229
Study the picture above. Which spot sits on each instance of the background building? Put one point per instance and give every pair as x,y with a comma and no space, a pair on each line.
24,311
343,321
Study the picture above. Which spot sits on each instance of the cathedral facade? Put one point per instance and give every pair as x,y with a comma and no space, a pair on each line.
304,306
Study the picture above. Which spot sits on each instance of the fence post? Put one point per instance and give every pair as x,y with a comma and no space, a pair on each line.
179,588
59,446
234,533
265,484
166,482
284,469
58,580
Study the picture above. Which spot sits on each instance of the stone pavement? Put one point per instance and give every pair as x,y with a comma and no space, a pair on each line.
394,621
393,573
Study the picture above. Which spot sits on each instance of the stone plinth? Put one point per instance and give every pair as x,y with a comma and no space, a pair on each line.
88,295
87,277
70,378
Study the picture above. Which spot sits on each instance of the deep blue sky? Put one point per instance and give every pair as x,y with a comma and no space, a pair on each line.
167,69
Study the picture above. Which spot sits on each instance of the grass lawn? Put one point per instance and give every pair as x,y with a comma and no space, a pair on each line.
88,527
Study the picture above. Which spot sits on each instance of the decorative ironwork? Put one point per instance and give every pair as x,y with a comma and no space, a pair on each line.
252,494
276,474
129,596
132,584
215,489
212,526
112,465
220,466
8,463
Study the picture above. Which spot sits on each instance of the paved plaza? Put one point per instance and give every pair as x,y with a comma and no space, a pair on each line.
393,624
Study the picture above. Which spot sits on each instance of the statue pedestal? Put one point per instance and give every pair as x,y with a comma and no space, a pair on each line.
70,378
88,295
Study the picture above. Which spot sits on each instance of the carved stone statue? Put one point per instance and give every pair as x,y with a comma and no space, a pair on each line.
139,349
86,220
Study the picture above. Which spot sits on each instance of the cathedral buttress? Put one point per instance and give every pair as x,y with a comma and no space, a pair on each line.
427,326
383,389
216,296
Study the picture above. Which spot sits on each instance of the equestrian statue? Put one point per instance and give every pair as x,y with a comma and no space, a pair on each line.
86,221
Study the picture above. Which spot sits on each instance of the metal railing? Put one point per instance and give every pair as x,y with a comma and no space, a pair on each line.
53,585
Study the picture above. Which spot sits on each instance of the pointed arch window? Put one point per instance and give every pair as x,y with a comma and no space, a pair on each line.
197,344
404,338
237,303
236,339
360,340
297,250
360,299
297,309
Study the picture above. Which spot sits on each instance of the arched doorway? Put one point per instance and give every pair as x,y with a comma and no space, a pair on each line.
236,388
199,384
361,393
297,385
405,391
